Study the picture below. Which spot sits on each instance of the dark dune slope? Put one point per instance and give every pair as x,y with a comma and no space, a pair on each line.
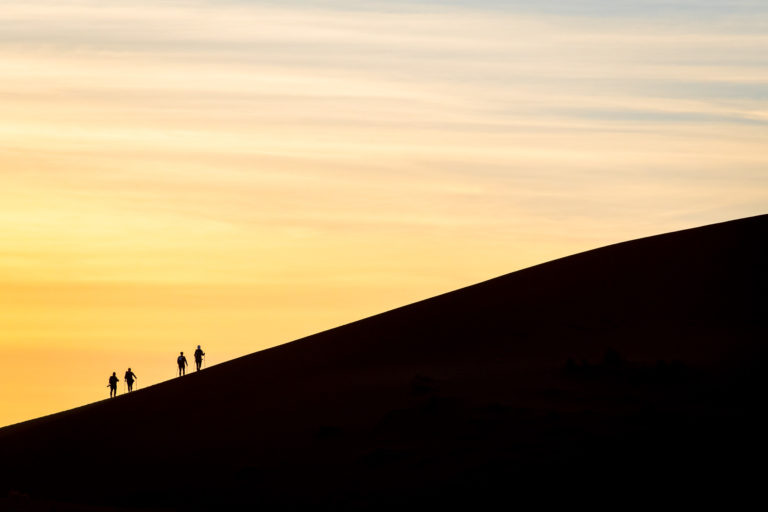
644,359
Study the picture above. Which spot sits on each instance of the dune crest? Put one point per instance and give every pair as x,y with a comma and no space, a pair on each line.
636,359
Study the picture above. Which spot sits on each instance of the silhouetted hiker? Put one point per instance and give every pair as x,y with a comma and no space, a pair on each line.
113,380
199,354
182,361
129,378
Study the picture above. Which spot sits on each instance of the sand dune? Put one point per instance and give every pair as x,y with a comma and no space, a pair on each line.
626,370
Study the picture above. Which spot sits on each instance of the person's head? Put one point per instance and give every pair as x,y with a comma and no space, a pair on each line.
182,353
198,346
129,369
114,373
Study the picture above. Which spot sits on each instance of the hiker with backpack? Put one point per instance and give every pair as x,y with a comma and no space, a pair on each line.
129,378
113,380
199,354
182,362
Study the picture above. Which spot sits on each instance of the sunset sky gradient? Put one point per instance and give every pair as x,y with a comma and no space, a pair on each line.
239,174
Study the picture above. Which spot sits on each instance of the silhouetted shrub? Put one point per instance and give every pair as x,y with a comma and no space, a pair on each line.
612,359
440,405
577,369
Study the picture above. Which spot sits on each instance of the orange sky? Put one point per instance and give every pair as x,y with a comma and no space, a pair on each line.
240,174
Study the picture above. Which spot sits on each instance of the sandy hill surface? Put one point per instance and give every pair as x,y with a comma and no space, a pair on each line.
627,370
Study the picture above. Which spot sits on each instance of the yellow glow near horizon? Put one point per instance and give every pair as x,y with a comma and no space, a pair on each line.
241,174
